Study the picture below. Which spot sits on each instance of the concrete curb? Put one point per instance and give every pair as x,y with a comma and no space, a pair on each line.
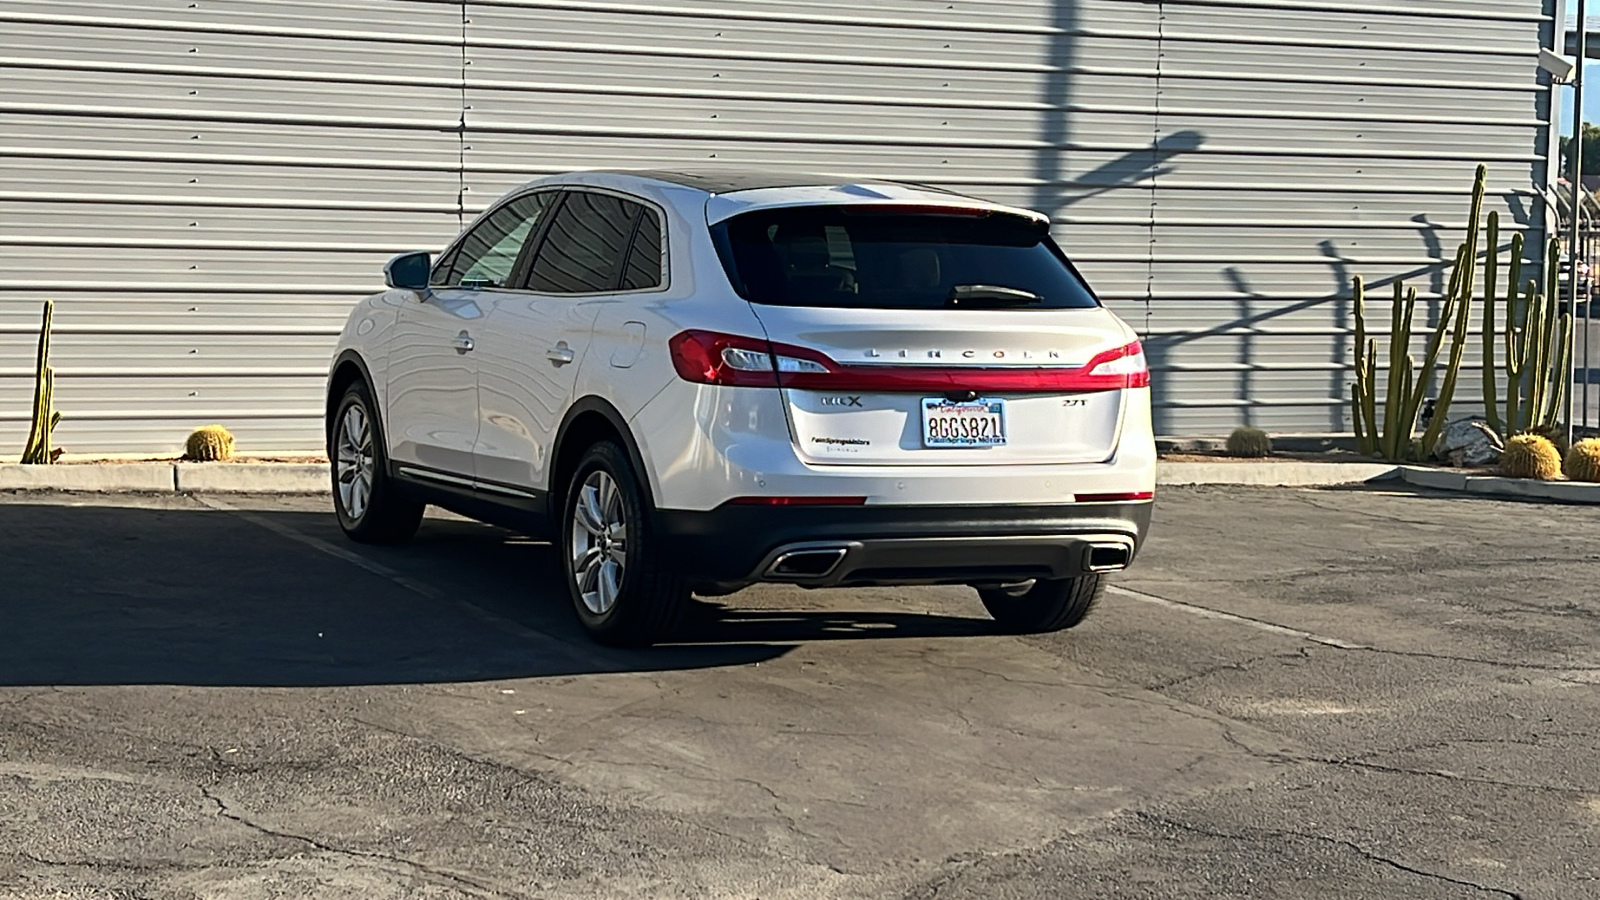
312,478
248,478
1270,474
254,478
102,477
1497,486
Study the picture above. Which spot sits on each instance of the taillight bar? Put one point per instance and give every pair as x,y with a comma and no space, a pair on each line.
706,357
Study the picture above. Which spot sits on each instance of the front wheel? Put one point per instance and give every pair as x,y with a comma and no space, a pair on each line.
367,501
623,589
1049,604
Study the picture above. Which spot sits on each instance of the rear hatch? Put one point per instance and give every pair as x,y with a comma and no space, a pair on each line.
928,335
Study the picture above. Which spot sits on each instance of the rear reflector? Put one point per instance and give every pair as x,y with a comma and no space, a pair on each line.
797,501
1115,498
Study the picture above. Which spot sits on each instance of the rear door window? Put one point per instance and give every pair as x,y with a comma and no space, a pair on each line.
643,269
868,257
584,248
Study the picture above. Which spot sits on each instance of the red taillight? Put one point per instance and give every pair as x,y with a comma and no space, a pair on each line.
1124,367
706,357
798,501
1115,498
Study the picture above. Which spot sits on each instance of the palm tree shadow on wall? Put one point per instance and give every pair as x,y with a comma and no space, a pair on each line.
1053,190
1137,171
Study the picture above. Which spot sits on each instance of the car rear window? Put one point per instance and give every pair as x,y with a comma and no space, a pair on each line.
868,257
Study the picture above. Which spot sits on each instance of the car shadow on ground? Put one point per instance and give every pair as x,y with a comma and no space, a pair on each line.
101,595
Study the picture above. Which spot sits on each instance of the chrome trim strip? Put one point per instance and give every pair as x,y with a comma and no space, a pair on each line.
493,488
430,475
474,484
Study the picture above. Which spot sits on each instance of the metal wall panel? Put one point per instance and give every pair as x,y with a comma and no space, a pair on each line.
1329,139
204,186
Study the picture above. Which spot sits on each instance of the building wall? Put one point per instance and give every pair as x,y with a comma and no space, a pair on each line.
204,186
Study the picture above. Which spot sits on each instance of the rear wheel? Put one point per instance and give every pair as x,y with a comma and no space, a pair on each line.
369,505
623,589
1049,604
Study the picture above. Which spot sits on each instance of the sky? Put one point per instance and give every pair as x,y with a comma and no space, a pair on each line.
1591,90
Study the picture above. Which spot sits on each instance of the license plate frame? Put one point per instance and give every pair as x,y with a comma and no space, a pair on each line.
944,423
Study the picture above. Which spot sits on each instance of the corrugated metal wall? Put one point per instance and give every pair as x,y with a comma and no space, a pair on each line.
205,185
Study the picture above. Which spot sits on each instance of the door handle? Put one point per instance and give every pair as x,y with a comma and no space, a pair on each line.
560,354
462,342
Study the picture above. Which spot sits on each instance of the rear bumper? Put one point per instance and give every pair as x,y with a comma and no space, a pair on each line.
880,544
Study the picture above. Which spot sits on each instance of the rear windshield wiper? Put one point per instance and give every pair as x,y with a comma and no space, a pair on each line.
990,295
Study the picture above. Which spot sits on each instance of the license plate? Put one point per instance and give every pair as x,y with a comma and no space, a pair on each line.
970,423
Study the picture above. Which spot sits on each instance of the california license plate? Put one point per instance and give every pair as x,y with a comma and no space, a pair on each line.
969,423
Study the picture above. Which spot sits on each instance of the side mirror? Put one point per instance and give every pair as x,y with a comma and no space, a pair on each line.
408,270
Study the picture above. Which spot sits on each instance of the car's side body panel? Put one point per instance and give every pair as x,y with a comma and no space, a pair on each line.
531,352
432,386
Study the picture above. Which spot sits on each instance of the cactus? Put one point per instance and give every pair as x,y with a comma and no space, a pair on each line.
1583,461
1531,456
1555,434
1536,354
1407,387
1536,349
1249,442
209,443
1491,268
40,449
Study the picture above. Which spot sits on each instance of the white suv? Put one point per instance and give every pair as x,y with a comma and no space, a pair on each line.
693,382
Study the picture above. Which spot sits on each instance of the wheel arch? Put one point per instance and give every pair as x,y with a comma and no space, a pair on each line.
589,420
348,368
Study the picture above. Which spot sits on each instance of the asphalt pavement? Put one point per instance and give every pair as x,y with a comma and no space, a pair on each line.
1350,693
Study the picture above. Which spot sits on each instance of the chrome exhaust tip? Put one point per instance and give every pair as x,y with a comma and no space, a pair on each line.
815,562
1108,557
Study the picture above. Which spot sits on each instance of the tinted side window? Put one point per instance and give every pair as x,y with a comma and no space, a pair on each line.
443,269
583,249
643,270
489,252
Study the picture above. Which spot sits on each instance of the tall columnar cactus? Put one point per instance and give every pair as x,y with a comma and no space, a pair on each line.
39,449
1407,386
1491,268
1536,349
1537,334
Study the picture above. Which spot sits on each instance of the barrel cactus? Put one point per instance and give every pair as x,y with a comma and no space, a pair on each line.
1249,442
1583,461
210,443
1531,456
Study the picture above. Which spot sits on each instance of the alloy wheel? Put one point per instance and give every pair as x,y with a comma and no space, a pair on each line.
599,542
353,461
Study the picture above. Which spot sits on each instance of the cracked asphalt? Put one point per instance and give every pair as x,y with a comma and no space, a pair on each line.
1295,694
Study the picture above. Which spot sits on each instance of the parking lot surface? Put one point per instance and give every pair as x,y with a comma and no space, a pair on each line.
1353,693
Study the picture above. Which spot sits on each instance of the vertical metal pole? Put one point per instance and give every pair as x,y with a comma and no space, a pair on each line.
1574,232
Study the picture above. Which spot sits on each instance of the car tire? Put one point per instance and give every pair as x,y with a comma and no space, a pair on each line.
369,505
1050,604
623,588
